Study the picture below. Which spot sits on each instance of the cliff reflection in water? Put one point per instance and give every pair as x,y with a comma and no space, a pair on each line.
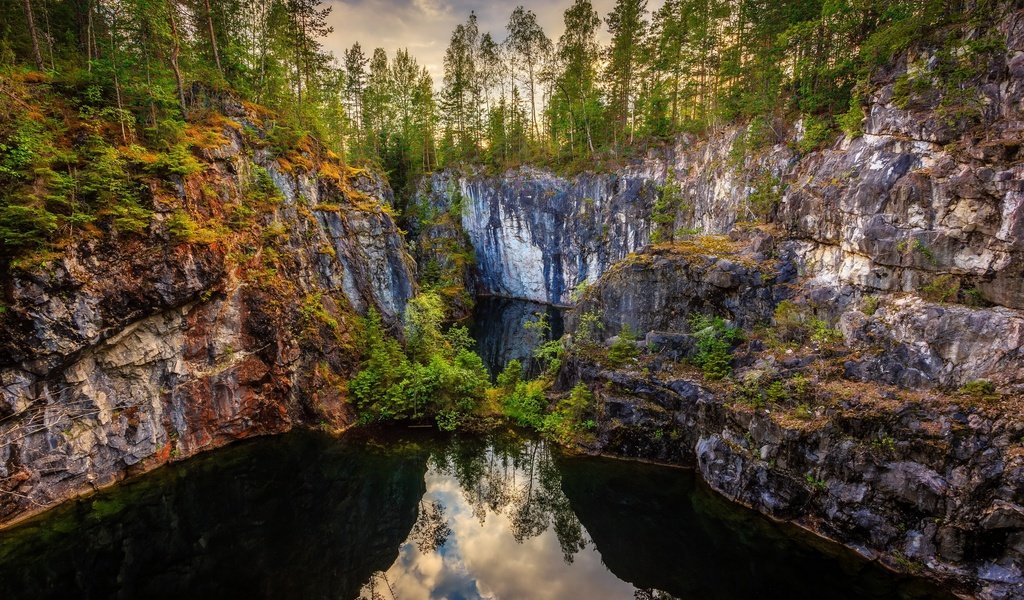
299,516
415,515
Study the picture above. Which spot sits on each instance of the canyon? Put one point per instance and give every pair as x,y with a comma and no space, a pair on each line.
905,242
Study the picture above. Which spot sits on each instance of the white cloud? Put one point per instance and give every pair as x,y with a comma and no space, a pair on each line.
485,561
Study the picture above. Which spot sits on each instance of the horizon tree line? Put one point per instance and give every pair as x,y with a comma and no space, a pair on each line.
688,66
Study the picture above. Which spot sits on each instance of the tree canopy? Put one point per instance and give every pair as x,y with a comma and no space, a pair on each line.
506,97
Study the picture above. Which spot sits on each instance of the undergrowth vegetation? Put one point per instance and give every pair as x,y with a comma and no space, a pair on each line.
436,375
525,401
713,341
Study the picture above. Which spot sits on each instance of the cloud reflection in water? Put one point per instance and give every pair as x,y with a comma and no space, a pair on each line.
494,523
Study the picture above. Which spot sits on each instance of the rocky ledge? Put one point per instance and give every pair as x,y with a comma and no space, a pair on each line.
923,484
863,422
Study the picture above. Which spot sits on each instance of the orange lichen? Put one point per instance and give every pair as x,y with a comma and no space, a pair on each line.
330,171
207,136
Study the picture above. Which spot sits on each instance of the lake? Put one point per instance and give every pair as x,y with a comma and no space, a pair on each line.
409,513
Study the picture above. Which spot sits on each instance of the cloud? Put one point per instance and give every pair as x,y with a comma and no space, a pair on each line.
432,8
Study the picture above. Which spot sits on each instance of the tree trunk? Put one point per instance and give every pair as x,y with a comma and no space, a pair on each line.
49,36
88,35
213,38
36,54
175,51
533,105
117,83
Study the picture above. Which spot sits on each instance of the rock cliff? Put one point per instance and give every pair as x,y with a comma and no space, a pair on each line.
928,191
231,315
876,282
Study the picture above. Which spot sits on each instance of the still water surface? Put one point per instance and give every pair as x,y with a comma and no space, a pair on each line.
416,515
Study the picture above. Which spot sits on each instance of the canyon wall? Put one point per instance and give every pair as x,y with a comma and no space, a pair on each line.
921,212
125,351
892,421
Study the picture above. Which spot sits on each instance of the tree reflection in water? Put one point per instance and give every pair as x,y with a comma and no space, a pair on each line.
517,478
493,491
431,530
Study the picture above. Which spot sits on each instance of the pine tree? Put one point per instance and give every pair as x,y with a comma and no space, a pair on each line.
575,103
628,28
355,85
461,94
529,46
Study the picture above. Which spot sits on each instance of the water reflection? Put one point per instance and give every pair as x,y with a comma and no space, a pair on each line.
509,527
510,518
503,332
300,516
658,529
414,515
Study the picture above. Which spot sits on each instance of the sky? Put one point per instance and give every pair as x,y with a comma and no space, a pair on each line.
425,26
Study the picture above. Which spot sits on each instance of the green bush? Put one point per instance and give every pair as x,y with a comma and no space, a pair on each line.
130,217
944,288
588,329
24,227
980,389
439,377
166,133
550,355
261,191
21,151
793,323
624,348
869,305
510,376
817,132
852,121
571,417
178,160
765,196
526,404
183,228
790,322
714,340
663,214
315,315
763,389
822,333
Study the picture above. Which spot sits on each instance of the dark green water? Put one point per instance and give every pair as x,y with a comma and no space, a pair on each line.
420,516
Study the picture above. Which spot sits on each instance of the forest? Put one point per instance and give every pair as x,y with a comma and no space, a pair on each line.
130,68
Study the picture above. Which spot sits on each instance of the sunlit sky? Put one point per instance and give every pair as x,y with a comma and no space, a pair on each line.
425,26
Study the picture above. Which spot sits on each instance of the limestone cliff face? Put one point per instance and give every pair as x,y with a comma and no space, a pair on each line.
922,215
536,236
127,351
